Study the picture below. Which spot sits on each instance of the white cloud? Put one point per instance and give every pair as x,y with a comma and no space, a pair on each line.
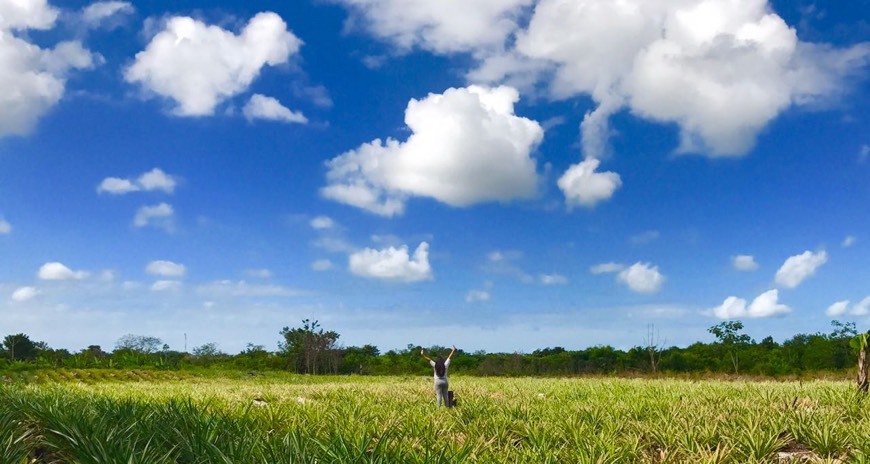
57,271
117,186
158,215
23,294
502,262
32,79
32,14
270,109
552,279
166,286
719,69
199,65
582,186
444,26
165,269
644,237
322,222
95,14
466,147
5,227
228,288
744,262
764,305
259,273
475,296
797,268
862,308
864,153
321,265
392,264
642,278
837,309
606,268
154,179
849,241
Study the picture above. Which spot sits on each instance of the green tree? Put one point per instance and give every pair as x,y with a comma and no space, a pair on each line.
730,338
310,349
20,347
140,344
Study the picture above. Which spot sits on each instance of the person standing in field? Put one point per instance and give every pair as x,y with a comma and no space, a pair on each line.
440,366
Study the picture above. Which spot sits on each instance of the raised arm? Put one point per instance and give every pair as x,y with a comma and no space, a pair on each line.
451,353
424,355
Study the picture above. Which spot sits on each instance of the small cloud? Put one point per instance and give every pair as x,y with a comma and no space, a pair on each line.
374,61
849,241
270,109
476,296
157,216
102,13
501,262
5,227
797,268
642,278
259,273
321,265
644,237
23,294
166,269
552,279
166,286
322,223
229,288
837,309
606,268
116,186
392,264
152,180
316,94
744,263
386,239
862,308
864,153
764,305
582,186
57,271
156,179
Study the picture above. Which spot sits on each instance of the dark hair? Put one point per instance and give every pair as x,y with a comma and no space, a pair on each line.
440,368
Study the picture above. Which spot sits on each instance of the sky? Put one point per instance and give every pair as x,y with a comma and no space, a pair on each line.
499,175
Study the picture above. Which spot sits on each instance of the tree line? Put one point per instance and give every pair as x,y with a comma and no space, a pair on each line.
311,349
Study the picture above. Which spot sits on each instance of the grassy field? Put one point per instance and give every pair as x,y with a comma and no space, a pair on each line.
154,417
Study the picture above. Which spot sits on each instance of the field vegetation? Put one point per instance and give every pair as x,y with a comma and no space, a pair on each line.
109,416
311,349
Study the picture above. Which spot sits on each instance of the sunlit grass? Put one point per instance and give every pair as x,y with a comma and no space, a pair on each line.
154,418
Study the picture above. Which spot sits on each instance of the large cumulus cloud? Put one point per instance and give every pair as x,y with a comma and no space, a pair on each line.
467,146
199,66
32,79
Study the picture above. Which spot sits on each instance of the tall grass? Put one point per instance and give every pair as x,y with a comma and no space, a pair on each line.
299,419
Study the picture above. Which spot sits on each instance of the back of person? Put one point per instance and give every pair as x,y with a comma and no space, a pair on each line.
440,366
439,369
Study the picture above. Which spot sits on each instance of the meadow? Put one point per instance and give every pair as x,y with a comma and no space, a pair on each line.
101,416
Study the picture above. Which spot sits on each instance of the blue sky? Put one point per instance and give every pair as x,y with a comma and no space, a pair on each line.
502,175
